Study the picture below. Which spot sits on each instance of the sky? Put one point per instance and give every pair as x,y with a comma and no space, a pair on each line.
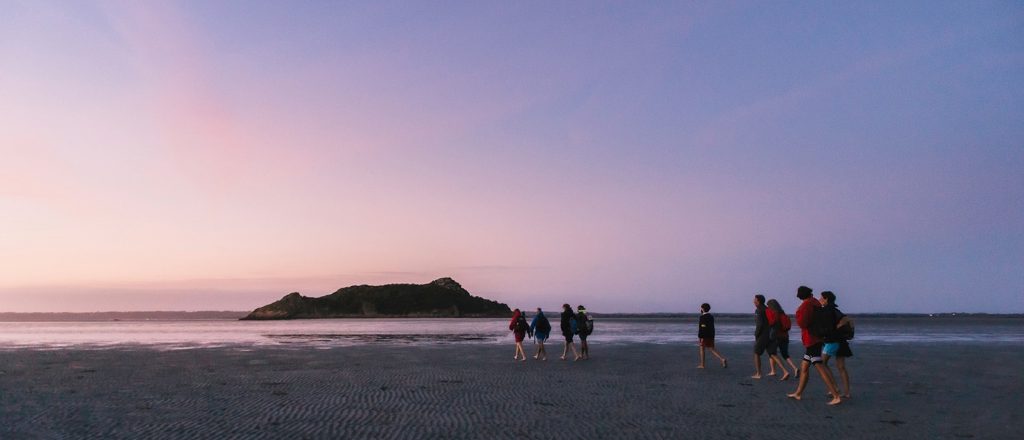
629,156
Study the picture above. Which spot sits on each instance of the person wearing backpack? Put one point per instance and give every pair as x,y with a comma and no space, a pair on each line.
584,326
519,328
836,343
541,328
779,325
761,339
568,327
806,317
706,336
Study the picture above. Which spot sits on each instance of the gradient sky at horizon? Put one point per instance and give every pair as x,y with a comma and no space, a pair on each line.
630,156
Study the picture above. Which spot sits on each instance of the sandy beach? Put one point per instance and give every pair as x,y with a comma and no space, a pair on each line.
476,391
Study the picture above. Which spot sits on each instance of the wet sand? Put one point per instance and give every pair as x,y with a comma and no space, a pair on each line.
476,391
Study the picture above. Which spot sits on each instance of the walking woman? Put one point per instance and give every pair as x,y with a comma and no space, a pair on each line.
812,346
541,328
519,328
583,329
567,323
779,325
836,343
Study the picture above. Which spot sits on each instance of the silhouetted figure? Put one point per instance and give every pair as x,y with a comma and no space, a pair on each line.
706,335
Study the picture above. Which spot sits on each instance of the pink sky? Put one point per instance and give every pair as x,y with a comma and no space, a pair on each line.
192,156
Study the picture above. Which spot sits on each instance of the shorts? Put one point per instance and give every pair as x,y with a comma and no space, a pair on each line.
520,336
568,337
813,354
773,347
583,337
541,337
783,345
830,348
760,345
707,342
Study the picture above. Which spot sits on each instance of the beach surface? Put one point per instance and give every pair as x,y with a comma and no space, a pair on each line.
907,391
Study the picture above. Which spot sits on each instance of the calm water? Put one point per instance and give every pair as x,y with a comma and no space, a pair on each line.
177,334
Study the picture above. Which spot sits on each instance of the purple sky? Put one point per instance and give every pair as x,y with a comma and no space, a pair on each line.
633,157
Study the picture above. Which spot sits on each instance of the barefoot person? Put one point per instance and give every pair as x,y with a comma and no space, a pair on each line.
519,328
541,328
836,343
780,324
706,335
567,323
761,339
812,345
583,329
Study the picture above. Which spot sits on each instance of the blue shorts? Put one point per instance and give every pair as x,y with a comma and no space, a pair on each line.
830,348
541,337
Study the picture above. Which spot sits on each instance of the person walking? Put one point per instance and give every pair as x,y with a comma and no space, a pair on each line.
519,328
812,345
779,325
567,325
541,328
583,328
836,342
761,339
706,335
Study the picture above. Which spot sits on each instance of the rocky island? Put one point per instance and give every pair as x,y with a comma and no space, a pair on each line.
440,298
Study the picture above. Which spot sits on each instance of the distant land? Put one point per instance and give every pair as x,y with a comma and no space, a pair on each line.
443,297
210,315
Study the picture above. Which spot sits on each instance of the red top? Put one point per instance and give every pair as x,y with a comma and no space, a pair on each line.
774,317
804,314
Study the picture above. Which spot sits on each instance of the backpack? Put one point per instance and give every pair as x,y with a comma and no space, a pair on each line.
543,325
521,325
822,322
584,324
786,323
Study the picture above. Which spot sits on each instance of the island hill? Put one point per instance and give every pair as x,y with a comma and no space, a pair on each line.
440,298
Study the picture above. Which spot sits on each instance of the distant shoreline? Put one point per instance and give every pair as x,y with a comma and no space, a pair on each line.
235,315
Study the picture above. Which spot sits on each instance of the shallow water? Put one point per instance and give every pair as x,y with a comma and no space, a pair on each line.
180,334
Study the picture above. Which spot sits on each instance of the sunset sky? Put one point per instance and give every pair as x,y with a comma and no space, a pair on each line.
629,156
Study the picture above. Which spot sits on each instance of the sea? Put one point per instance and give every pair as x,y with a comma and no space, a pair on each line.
170,331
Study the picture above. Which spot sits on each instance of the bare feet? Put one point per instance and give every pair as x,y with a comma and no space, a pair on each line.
835,401
700,366
562,358
725,363
756,376
793,396
784,376
771,373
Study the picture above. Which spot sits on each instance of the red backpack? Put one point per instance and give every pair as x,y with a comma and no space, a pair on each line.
786,324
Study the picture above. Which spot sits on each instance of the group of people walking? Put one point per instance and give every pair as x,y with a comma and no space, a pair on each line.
825,332
571,324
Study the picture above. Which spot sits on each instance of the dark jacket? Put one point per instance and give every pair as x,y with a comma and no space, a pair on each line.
760,323
706,326
832,315
566,323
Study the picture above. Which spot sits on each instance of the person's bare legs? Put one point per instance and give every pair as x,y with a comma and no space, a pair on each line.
771,365
701,357
714,351
802,382
841,365
796,371
757,367
566,350
778,359
584,349
826,375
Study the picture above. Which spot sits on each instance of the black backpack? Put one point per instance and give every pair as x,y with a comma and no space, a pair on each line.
822,322
543,325
584,324
521,325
